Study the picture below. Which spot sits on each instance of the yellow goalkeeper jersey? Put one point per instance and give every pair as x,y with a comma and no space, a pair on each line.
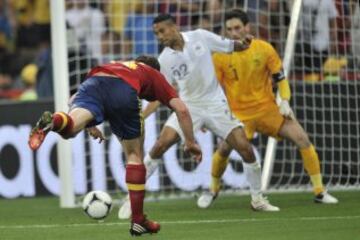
246,78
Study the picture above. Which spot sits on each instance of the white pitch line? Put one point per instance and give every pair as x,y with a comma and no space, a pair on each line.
182,222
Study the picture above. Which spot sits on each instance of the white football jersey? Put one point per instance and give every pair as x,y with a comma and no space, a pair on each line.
192,69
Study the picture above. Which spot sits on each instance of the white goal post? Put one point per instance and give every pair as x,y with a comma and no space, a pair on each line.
288,56
61,96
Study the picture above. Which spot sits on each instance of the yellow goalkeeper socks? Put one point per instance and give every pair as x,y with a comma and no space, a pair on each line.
218,167
312,167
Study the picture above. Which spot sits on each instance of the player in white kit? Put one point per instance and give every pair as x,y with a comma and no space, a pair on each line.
186,62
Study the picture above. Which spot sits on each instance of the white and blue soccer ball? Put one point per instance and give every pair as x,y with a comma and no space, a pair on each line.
97,204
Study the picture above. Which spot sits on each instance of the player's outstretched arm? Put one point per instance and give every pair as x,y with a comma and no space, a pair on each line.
150,108
186,125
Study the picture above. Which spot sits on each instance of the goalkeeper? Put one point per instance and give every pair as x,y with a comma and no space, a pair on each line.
244,77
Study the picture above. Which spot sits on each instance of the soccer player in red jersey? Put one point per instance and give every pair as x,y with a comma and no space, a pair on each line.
112,92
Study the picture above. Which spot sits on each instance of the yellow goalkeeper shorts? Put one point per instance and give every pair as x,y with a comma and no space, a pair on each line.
269,122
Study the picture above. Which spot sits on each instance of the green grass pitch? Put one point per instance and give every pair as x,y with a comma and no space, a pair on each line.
228,218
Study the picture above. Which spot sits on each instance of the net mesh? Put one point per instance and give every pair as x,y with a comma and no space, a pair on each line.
323,76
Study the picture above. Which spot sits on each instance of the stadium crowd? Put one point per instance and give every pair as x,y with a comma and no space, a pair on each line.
122,29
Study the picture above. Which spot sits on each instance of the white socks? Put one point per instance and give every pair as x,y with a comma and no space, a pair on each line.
253,176
252,173
150,165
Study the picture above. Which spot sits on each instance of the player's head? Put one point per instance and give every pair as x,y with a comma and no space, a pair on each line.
148,60
166,30
236,24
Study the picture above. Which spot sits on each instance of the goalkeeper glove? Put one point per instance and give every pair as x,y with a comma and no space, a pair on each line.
285,109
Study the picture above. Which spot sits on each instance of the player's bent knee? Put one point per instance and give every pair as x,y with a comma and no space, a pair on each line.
302,141
224,149
159,148
245,150
248,154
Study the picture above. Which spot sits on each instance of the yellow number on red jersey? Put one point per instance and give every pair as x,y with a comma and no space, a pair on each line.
130,64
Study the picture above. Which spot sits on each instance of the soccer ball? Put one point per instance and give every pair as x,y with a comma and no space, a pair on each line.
97,204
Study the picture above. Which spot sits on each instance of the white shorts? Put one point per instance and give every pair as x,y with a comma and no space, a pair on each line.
215,117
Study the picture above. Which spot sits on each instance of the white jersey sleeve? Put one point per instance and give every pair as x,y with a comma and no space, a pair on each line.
215,42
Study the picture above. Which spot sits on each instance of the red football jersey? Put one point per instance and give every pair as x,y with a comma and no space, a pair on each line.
148,82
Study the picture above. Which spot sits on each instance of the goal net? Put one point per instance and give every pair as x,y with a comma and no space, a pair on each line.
322,74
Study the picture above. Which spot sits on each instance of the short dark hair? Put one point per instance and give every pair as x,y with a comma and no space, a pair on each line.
237,13
149,60
164,17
